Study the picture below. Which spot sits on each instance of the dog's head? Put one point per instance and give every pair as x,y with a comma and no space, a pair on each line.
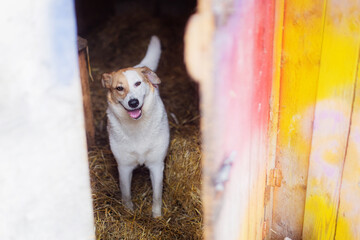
129,87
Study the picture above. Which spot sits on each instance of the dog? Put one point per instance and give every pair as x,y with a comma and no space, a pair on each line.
137,123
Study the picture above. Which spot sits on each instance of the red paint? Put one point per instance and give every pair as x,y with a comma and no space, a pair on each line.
244,72
244,55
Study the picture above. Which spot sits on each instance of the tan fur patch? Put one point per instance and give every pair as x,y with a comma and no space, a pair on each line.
118,80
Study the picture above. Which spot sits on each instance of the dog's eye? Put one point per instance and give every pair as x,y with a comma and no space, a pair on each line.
120,88
137,84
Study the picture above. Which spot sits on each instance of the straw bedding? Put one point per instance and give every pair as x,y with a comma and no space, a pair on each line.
119,43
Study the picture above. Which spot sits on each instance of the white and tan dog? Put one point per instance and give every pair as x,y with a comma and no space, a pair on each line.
137,123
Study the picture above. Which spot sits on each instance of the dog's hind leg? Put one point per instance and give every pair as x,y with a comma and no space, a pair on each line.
125,175
156,175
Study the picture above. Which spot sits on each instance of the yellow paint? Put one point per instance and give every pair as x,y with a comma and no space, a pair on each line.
348,225
343,229
323,215
330,156
322,218
340,53
338,65
300,62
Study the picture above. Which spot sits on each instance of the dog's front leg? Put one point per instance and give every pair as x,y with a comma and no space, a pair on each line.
125,173
156,175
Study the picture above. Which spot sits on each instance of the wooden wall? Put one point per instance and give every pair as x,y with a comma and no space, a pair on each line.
300,50
230,53
332,128
318,72
242,77
279,94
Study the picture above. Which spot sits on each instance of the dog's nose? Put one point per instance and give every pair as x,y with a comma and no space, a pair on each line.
133,103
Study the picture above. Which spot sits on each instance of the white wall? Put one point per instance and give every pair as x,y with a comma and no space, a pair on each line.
44,178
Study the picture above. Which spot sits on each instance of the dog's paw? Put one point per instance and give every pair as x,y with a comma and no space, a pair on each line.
156,214
129,205
156,211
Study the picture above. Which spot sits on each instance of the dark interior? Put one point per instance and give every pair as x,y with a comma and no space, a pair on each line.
92,13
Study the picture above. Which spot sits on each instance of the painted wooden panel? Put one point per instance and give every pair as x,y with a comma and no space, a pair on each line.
340,52
316,45
235,111
274,111
348,221
300,61
262,81
243,82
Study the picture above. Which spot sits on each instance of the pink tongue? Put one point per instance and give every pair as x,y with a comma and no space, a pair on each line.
135,113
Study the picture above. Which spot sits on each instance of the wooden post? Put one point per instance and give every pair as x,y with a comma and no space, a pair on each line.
84,76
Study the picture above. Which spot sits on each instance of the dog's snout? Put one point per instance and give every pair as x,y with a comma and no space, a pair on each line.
133,103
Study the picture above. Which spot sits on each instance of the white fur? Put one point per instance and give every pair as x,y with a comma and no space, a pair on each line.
134,92
142,141
152,56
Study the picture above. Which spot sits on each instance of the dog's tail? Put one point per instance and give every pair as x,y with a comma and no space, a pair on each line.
152,57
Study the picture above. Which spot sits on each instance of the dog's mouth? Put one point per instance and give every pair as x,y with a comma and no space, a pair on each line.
135,114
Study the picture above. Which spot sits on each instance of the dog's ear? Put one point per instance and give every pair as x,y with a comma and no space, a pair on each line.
151,76
106,80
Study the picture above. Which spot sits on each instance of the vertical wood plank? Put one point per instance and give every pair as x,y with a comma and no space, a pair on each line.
301,43
243,60
263,62
348,222
274,110
340,52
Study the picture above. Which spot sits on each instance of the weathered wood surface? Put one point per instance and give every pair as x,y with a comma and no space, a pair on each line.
264,21
274,113
242,80
235,114
314,55
348,221
300,61
335,95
